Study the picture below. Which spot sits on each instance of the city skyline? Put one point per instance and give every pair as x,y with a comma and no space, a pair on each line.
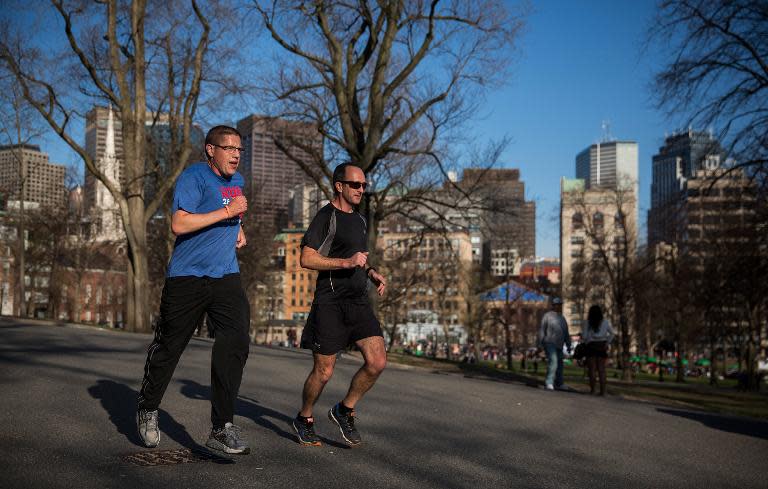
578,69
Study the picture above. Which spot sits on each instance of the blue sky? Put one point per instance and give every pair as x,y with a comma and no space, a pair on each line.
581,63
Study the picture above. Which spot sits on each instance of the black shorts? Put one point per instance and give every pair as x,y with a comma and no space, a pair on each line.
331,328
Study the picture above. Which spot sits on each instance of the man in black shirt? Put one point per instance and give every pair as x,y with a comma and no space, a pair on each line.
336,244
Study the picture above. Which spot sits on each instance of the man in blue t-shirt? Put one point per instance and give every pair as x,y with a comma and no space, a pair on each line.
203,278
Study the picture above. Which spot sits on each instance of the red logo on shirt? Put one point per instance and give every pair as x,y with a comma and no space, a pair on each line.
229,193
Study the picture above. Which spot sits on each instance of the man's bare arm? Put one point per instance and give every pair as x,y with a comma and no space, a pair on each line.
184,222
313,260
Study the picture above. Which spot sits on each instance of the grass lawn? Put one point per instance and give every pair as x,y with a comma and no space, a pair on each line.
695,393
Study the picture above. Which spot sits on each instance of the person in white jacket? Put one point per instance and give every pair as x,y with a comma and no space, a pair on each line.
597,335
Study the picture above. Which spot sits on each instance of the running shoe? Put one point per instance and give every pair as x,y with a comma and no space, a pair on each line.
346,424
227,439
146,422
305,431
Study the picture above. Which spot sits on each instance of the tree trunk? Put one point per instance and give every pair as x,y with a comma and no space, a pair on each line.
626,372
753,381
508,346
137,282
22,265
137,286
712,357
679,351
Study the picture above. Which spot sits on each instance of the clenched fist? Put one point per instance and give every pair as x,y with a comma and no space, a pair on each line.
238,205
359,259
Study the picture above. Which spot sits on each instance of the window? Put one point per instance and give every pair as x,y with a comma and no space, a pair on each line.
618,219
598,220
577,221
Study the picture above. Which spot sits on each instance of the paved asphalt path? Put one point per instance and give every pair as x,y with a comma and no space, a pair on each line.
67,406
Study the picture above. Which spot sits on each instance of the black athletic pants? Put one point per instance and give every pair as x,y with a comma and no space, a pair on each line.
184,301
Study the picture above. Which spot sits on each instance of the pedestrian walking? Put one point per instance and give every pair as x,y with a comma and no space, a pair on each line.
596,335
336,245
203,278
552,336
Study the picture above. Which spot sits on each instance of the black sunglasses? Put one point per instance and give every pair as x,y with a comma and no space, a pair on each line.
354,185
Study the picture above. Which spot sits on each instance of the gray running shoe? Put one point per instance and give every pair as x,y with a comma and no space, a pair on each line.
305,431
346,424
146,422
227,439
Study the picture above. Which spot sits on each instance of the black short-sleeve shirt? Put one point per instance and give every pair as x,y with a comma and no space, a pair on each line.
351,236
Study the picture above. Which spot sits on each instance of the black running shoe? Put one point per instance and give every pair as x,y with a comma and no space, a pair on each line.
346,424
305,431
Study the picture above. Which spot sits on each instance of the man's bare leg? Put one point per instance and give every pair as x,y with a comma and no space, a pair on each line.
375,356
313,387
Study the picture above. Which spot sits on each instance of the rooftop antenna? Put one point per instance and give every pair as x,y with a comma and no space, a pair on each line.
606,126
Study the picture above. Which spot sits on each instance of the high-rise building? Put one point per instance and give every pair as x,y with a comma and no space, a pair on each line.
608,165
160,160
507,229
681,157
104,144
269,173
44,181
719,207
594,223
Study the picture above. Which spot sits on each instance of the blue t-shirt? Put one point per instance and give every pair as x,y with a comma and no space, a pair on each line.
209,252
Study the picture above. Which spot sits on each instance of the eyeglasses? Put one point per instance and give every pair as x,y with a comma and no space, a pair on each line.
354,185
229,149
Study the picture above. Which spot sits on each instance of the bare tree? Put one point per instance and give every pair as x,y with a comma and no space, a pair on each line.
737,256
382,80
368,74
140,64
18,127
404,277
610,253
717,72
675,284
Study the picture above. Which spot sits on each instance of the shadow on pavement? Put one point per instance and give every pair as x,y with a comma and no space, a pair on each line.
251,409
755,429
119,401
